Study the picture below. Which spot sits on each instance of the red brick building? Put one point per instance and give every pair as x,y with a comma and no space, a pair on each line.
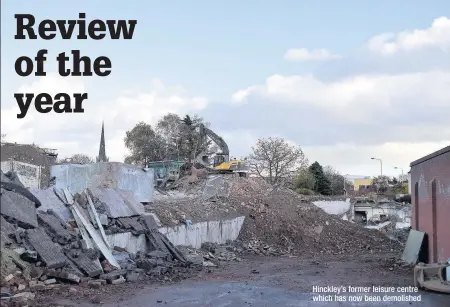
430,185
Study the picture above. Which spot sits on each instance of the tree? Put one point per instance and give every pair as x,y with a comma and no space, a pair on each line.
274,159
304,180
3,137
336,180
322,184
381,183
169,129
77,159
144,144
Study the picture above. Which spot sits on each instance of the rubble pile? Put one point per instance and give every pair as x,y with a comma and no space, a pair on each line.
41,251
278,221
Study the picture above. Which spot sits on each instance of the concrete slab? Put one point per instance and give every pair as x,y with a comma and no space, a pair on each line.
18,207
53,224
91,268
49,252
114,203
109,175
49,200
414,246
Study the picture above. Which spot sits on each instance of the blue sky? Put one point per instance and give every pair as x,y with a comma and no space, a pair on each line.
215,49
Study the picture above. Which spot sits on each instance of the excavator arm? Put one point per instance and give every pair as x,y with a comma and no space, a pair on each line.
215,138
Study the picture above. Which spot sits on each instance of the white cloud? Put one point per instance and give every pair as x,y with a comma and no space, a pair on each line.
437,35
357,98
303,55
80,133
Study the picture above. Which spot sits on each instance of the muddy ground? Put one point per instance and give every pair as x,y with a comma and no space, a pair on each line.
260,281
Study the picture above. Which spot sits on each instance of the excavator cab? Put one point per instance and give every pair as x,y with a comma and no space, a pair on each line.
219,159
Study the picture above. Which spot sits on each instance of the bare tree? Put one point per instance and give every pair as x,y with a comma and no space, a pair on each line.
77,159
275,160
381,183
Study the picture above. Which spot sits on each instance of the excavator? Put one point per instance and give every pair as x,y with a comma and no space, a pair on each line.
221,161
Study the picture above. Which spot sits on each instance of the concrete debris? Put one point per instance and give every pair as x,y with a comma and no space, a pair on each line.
51,201
88,266
278,220
50,252
19,208
63,275
21,190
55,227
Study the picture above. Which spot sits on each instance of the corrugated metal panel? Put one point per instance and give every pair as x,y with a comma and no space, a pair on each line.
430,181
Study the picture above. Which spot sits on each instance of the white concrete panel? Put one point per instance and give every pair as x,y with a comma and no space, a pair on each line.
29,174
333,207
212,231
127,240
116,175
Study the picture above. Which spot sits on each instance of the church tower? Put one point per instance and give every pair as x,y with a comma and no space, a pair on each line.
102,151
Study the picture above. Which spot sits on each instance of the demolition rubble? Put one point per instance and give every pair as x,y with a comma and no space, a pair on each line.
55,240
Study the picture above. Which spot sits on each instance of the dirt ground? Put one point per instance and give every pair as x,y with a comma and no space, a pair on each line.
263,281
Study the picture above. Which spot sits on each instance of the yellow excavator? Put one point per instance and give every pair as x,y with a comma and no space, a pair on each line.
221,161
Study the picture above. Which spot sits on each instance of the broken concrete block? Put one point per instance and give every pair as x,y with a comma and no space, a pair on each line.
29,256
109,277
49,252
64,276
132,276
36,285
21,287
159,255
195,259
118,281
19,208
209,264
91,268
103,219
23,297
146,264
50,281
94,284
55,226
9,277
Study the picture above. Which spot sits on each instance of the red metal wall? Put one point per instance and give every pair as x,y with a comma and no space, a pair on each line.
430,183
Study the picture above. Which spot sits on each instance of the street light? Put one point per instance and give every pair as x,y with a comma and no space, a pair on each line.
345,191
381,164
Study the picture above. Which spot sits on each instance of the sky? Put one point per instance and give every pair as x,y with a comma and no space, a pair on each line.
344,80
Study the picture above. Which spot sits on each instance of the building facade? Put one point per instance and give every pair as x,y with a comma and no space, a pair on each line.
430,195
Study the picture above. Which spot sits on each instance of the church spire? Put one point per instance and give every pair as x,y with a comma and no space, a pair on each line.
102,151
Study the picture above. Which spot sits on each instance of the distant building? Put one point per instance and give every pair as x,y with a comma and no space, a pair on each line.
31,163
362,183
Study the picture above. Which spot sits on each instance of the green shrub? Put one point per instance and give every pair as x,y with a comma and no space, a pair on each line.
304,191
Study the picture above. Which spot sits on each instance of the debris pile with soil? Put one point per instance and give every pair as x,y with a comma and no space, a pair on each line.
278,220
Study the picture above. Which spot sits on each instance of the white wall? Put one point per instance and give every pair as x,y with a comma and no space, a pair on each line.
196,234
107,175
29,174
193,235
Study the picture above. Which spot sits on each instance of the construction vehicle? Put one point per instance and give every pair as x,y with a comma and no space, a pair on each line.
221,161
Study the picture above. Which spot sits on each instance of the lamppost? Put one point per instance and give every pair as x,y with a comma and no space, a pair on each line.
395,167
345,191
381,164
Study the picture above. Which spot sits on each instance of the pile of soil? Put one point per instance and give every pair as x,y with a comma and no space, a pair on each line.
280,217
276,218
